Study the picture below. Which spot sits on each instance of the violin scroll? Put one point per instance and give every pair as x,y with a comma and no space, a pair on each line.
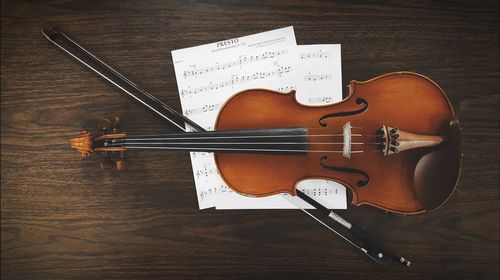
84,144
114,157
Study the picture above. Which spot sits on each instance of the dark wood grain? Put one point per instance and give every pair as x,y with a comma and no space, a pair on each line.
64,218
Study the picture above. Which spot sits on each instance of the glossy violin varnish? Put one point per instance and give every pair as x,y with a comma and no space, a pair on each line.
394,143
412,180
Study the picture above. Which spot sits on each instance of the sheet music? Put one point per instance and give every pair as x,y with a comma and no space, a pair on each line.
320,81
210,74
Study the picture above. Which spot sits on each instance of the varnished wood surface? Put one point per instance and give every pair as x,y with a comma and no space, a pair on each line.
388,185
63,218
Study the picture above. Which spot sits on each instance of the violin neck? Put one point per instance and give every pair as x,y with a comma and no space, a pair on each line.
275,140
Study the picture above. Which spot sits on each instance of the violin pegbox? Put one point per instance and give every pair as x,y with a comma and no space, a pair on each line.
392,140
114,157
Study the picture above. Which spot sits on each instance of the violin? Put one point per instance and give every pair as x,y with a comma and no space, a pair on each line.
394,143
266,136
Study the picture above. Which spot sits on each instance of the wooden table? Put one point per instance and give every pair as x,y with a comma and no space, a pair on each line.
64,218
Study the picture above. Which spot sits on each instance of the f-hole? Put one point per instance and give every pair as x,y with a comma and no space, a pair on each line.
360,183
359,101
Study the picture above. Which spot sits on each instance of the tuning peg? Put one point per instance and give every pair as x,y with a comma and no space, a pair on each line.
121,162
116,124
107,163
394,143
394,149
394,130
395,136
105,125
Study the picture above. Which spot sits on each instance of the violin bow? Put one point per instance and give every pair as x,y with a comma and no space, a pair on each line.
358,237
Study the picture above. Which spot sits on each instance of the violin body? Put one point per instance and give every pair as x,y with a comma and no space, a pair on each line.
407,182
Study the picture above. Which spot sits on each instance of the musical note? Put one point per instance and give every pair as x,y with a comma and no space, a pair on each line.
204,109
318,54
322,99
324,191
320,191
211,191
315,192
243,59
285,89
206,171
318,77
200,154
235,80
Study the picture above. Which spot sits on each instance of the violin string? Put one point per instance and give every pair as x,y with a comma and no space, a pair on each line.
233,137
134,142
163,141
171,146
153,137
235,149
174,136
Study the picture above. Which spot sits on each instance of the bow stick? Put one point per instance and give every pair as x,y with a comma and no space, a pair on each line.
358,238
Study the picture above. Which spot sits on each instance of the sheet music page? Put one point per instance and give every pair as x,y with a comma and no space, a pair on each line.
210,74
320,79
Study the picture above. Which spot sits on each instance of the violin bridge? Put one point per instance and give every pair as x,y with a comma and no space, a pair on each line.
346,131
